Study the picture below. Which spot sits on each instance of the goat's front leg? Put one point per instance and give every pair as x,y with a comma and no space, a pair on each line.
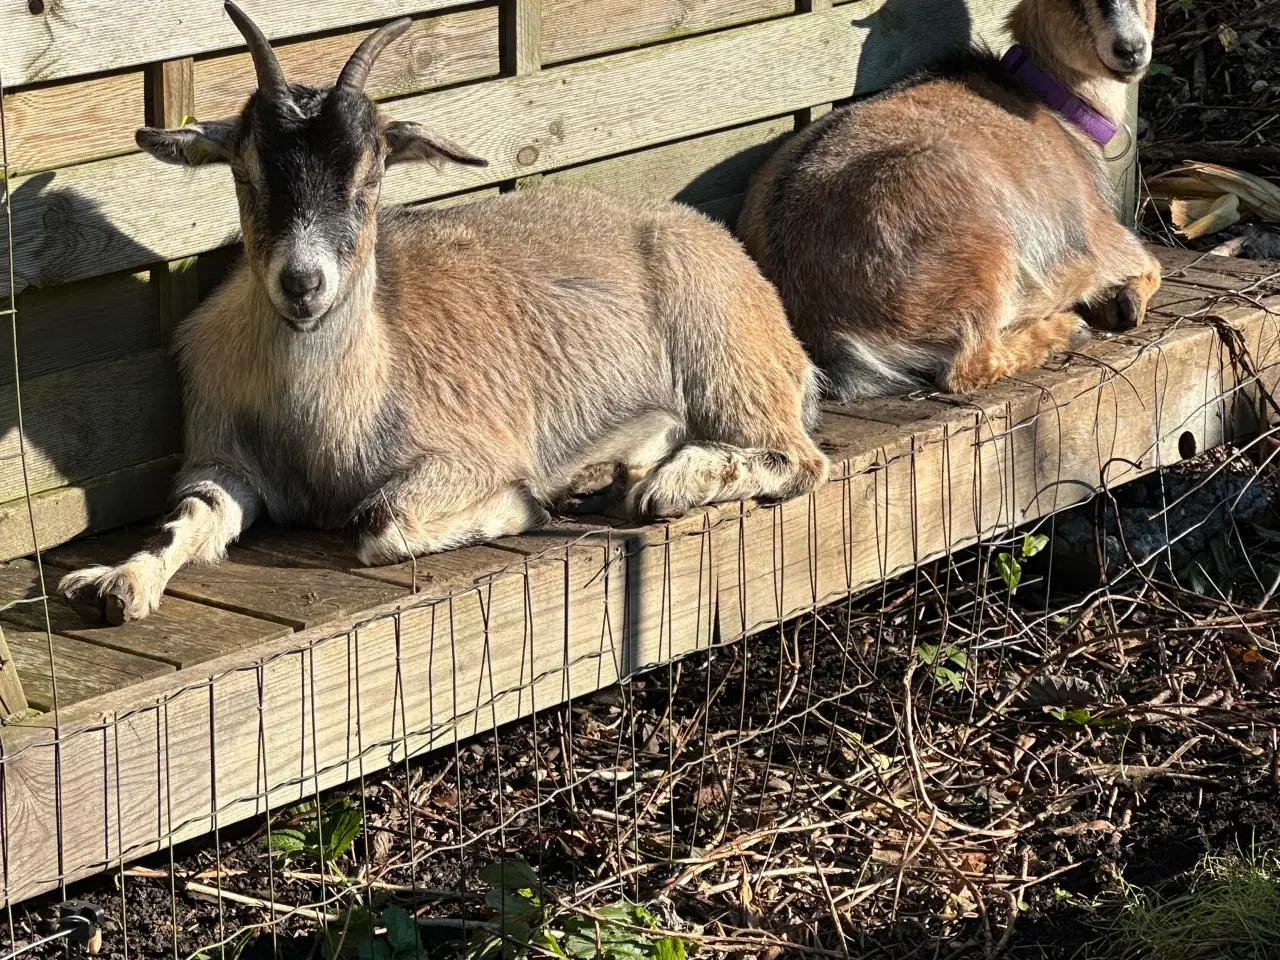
214,507
438,506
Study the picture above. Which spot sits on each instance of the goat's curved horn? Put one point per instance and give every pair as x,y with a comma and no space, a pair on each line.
356,71
271,80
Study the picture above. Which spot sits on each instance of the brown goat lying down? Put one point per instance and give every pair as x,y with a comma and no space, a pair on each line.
957,229
435,377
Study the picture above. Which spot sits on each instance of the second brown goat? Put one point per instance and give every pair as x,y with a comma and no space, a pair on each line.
959,227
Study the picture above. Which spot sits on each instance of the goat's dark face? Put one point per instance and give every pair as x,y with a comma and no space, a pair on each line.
308,165
1122,31
307,173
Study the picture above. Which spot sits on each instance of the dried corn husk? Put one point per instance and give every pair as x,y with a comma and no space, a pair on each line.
1224,212
1183,212
1257,196
1165,187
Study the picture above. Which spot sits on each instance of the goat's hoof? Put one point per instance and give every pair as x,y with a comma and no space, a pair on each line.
116,604
87,602
1122,309
1080,336
657,497
1130,311
107,595
595,478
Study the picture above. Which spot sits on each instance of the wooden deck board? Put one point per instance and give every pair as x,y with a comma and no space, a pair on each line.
180,633
82,670
295,594
484,635
435,575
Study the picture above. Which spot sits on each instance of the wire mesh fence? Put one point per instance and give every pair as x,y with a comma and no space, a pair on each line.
517,768
912,767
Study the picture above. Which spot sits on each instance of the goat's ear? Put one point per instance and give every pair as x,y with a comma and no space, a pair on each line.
196,144
412,141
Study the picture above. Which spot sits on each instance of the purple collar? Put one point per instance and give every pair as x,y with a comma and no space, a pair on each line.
1099,129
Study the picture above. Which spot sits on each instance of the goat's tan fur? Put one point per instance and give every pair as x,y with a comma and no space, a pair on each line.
477,359
954,228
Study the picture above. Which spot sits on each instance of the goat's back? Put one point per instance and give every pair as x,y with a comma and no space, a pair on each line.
885,215
608,304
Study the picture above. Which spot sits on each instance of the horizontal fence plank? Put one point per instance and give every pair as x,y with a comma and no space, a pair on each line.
131,211
87,322
905,490
63,123
437,50
68,38
692,171
13,698
582,28
88,421
899,36
133,493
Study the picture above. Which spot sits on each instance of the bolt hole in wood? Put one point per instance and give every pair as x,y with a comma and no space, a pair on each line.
35,6
1187,447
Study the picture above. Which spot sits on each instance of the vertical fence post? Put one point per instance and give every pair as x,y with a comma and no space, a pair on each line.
12,700
809,114
171,97
1124,170
520,54
521,26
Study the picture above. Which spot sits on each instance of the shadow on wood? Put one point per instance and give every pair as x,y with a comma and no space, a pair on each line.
904,35
99,395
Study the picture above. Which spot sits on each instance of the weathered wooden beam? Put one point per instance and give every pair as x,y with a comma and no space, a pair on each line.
521,37
88,322
1124,168
53,126
132,493
132,404
172,95
79,670
573,29
693,171
436,50
246,583
180,634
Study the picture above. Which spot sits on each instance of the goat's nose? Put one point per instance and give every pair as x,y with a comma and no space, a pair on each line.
1130,50
300,283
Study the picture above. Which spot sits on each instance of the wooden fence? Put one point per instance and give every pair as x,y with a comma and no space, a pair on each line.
671,98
